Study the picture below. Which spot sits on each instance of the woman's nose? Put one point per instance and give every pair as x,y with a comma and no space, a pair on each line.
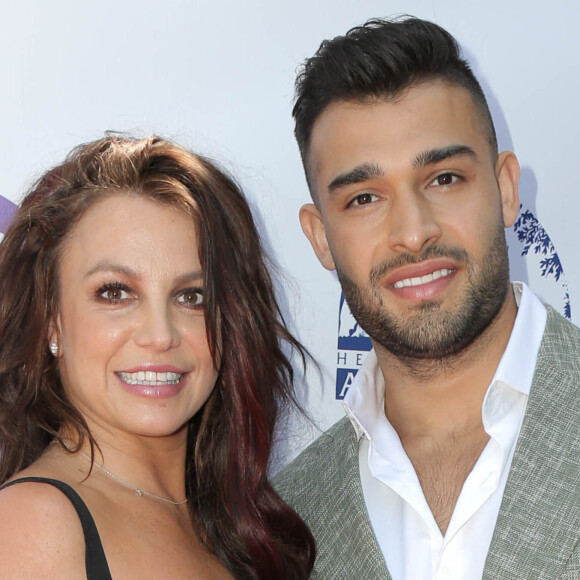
156,329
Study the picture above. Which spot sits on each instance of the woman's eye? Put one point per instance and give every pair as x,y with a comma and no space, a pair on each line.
364,199
113,293
191,298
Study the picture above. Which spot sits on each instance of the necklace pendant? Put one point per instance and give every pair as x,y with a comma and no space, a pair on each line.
139,492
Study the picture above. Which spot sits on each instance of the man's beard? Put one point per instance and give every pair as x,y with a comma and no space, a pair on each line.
432,332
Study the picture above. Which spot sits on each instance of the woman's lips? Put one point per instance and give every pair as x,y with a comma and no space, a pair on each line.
152,378
152,383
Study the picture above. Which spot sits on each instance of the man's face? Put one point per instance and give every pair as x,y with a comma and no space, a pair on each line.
411,211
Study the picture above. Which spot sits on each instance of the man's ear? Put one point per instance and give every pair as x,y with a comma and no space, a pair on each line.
507,173
313,227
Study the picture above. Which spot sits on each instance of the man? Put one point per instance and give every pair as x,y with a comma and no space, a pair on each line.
458,458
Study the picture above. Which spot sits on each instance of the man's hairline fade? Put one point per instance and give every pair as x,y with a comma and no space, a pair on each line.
484,118
379,61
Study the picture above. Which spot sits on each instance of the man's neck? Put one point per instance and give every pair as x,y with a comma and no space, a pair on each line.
436,409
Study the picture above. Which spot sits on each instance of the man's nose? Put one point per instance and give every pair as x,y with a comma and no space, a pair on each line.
413,226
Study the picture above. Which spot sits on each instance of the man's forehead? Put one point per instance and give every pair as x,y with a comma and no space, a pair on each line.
427,116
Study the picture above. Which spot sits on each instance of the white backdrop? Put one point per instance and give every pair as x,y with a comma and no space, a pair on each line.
219,77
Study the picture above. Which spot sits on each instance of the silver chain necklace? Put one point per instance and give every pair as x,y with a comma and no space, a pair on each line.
124,482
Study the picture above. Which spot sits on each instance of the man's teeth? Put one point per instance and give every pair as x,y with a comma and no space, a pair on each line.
150,378
423,279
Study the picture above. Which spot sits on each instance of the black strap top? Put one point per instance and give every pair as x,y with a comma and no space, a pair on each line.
95,559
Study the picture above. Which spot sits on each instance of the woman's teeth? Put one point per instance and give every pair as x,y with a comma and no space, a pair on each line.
150,378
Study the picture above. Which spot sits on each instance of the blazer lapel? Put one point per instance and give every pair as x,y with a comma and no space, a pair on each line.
539,520
346,529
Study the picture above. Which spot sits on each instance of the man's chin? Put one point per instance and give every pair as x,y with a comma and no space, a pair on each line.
423,347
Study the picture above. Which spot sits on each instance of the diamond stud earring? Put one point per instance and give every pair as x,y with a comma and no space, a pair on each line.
53,348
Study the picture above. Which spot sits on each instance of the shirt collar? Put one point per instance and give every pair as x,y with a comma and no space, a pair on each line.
518,362
364,401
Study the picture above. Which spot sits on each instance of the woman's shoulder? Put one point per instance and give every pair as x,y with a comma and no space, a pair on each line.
40,533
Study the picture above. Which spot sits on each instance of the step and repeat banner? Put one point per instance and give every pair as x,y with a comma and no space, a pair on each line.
218,77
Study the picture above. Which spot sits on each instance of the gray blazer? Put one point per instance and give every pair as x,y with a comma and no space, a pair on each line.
537,535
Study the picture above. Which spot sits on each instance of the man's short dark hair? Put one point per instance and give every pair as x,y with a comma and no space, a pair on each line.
377,61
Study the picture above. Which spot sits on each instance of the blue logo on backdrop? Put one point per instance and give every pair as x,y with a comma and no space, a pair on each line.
527,241
536,242
7,211
353,346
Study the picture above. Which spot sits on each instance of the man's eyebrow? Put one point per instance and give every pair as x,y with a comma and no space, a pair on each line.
431,156
361,173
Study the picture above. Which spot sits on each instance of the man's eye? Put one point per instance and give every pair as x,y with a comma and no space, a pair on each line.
445,179
191,298
364,199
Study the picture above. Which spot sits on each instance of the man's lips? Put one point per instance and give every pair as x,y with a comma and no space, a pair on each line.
420,272
420,280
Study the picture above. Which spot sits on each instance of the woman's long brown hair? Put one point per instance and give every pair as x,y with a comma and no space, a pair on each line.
238,515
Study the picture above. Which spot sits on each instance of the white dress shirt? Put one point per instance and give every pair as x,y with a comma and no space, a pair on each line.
412,544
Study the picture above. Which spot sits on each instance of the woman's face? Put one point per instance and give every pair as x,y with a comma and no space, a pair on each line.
130,326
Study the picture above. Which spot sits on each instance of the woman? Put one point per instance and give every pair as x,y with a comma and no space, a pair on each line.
140,369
